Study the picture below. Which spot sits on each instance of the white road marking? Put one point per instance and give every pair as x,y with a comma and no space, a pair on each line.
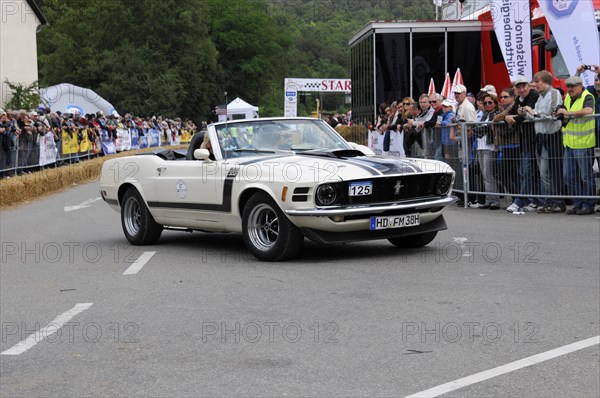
139,263
47,330
82,205
510,367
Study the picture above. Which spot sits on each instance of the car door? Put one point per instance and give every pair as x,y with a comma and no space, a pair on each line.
187,192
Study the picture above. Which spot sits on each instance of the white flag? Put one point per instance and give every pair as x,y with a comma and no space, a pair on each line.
574,28
512,24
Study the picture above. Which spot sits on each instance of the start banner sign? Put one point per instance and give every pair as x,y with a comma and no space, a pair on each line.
319,85
294,85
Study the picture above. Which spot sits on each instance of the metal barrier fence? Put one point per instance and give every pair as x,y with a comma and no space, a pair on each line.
497,164
28,153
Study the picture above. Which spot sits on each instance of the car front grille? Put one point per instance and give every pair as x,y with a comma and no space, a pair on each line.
392,189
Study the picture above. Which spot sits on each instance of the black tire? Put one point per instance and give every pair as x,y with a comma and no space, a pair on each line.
418,240
137,222
267,232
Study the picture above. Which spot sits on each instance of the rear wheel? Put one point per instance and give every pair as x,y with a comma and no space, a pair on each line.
137,222
418,240
268,233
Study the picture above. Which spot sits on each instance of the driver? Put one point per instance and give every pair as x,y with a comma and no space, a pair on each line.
284,140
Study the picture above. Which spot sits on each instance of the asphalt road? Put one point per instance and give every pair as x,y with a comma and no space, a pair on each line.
202,317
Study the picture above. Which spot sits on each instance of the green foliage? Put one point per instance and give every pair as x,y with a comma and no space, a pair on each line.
23,96
178,57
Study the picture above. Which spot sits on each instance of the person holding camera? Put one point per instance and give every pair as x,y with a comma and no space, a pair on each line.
548,140
528,172
595,91
579,140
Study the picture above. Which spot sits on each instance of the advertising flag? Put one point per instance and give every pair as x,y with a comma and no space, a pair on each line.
512,24
573,25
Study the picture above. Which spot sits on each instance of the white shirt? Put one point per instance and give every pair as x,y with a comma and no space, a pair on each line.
466,111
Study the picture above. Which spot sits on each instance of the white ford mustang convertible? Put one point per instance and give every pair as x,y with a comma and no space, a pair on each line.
278,181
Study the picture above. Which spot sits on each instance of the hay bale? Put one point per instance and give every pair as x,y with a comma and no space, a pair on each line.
355,133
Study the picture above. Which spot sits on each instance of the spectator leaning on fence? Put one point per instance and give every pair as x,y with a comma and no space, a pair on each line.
548,139
434,133
528,173
21,133
579,140
448,148
466,111
486,151
507,141
595,91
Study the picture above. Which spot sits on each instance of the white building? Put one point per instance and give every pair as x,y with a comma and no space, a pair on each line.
20,20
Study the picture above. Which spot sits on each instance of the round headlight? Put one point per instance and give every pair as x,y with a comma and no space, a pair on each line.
326,194
443,184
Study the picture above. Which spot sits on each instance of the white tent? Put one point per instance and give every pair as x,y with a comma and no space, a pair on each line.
238,109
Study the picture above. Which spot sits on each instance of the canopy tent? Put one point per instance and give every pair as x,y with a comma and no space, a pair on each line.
68,98
237,109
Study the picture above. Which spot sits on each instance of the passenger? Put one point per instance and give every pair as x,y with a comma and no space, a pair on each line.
207,145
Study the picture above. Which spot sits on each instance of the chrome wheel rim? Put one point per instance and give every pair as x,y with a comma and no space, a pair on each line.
263,227
132,216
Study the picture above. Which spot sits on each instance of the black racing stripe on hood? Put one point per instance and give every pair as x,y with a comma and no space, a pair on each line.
387,166
367,167
363,166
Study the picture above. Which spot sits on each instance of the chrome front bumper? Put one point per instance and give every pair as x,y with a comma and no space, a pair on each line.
372,209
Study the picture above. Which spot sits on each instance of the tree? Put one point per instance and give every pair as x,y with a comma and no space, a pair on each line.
23,96
177,57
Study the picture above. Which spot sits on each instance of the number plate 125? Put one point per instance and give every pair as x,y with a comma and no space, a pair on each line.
360,188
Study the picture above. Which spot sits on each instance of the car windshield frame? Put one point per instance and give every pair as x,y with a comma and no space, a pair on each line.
268,136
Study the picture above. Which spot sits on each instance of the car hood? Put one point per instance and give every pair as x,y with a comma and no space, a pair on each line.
346,165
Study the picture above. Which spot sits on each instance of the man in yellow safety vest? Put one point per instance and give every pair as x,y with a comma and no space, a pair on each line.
579,140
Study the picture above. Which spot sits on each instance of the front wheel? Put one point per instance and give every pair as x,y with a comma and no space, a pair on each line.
137,222
268,233
412,241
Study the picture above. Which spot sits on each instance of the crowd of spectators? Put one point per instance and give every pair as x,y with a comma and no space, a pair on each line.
21,132
532,141
340,119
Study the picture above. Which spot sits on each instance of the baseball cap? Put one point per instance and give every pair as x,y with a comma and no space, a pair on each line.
447,102
488,88
520,80
574,81
460,88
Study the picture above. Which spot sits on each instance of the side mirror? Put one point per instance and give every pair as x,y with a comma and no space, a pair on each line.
201,154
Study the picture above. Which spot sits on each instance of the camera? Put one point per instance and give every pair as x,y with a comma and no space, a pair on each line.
557,108
587,67
561,117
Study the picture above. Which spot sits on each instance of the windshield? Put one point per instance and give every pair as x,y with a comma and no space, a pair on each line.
250,137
